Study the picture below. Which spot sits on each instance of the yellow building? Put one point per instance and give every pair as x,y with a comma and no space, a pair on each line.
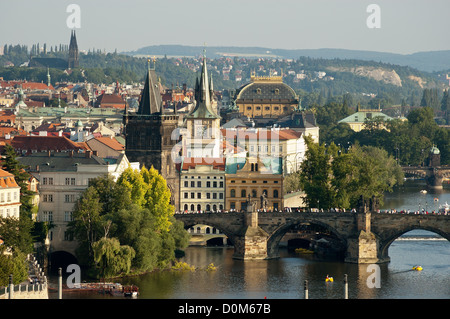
255,178
266,96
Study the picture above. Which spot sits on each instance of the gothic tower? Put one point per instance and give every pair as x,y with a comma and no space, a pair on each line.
73,52
148,135
203,122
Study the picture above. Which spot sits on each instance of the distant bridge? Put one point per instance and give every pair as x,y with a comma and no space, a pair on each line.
434,176
366,236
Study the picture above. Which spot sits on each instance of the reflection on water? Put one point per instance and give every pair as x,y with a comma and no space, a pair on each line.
284,277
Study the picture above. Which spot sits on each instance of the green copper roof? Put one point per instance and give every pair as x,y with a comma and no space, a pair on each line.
361,116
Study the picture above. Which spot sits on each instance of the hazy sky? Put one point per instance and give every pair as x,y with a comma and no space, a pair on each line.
407,26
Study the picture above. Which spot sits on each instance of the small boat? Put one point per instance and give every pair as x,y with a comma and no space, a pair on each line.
423,191
417,268
328,278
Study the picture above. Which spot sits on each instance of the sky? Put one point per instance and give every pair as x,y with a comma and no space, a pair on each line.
405,26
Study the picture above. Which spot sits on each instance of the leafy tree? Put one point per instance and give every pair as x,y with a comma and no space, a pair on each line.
111,257
315,175
12,264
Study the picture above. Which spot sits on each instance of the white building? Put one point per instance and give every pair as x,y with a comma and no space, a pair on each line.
202,184
62,177
9,195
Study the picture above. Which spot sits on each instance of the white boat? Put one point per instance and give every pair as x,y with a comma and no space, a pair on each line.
423,191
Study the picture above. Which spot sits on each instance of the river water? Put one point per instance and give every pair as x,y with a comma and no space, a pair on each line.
284,278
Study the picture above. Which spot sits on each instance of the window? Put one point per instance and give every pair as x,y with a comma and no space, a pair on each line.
48,198
214,184
208,184
243,193
186,195
8,195
199,184
208,195
68,216
44,181
232,205
192,184
214,195
50,181
2,197
220,184
67,181
185,206
232,193
47,216
254,193
199,195
186,184
275,193
220,195
192,195
69,198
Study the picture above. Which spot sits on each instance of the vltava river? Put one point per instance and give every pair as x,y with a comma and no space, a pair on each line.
284,278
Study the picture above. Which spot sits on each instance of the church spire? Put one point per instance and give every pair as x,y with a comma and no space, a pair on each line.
203,96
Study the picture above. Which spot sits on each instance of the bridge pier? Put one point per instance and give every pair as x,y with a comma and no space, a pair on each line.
251,242
362,247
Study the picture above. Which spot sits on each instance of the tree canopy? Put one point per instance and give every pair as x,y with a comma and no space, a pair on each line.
127,225
335,177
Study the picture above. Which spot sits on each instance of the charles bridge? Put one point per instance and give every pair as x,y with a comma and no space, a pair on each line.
365,236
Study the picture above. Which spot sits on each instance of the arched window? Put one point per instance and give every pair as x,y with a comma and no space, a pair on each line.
232,193
199,207
275,193
208,208
243,193
214,207
208,230
199,230
185,207
192,207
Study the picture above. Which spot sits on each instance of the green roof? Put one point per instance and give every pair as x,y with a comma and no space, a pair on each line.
361,116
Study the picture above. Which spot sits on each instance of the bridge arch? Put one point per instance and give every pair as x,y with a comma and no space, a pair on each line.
276,236
212,228
388,240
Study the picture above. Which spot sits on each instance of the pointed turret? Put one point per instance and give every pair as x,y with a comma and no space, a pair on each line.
150,101
203,97
73,51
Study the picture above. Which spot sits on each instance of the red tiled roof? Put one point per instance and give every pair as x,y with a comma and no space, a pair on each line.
216,162
284,134
7,179
36,86
44,143
111,143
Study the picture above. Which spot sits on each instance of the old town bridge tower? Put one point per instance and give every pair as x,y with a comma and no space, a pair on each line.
148,134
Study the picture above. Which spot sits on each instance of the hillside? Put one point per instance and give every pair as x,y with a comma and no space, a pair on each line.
432,61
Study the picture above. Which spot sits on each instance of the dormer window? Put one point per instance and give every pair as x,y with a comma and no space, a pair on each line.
277,91
258,91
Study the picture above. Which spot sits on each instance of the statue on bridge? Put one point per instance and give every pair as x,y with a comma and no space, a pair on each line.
264,201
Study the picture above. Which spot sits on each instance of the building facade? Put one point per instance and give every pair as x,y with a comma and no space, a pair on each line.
9,195
62,177
255,179
202,185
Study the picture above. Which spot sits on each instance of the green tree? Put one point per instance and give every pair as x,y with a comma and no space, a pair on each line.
12,264
315,175
112,258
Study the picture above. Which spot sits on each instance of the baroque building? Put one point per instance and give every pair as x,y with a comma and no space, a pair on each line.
267,97
148,135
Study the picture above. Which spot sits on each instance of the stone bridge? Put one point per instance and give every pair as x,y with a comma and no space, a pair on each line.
434,176
366,236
